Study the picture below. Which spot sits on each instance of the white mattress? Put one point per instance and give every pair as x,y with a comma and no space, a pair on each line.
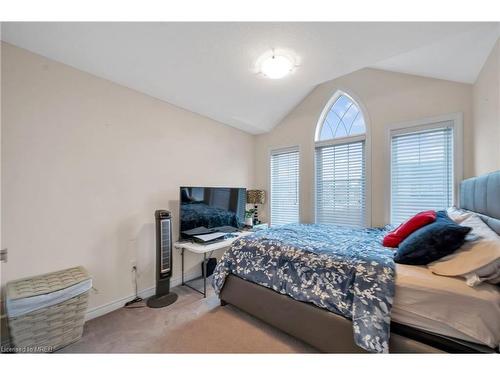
447,305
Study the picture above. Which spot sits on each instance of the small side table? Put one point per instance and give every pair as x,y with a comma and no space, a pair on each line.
198,248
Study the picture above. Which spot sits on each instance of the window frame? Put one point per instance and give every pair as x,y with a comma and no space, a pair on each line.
423,124
366,137
282,150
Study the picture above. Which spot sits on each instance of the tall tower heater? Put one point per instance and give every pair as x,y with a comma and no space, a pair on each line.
163,297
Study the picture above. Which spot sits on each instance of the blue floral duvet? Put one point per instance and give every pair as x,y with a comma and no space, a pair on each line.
346,271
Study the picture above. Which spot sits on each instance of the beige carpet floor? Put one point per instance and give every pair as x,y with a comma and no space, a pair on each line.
193,324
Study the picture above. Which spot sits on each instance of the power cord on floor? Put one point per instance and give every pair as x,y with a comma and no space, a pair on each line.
137,299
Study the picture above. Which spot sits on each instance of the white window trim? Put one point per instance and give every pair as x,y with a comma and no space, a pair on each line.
344,140
426,124
282,150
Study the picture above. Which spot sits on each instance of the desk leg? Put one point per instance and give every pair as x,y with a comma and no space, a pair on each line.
204,275
182,266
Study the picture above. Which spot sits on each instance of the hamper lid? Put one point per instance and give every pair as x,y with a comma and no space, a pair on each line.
46,284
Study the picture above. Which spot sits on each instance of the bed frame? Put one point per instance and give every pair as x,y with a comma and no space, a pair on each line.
332,333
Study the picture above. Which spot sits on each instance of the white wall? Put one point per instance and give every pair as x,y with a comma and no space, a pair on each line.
86,162
387,98
486,107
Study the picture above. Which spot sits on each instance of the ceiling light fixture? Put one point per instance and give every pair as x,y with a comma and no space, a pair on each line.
275,65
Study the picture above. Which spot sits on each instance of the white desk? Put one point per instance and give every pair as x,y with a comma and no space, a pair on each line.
198,248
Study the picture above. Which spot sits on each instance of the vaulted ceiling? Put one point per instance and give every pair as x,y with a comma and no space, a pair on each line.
209,68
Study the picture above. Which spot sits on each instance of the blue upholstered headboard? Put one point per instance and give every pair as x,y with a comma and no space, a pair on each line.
482,195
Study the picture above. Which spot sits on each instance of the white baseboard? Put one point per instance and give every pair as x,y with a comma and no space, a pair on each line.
115,305
144,293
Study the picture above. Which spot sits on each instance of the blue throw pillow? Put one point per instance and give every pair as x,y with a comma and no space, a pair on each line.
432,242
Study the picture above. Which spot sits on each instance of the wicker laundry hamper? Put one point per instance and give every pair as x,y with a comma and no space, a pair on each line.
47,312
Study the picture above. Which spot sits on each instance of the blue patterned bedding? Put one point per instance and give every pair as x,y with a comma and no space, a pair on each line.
346,271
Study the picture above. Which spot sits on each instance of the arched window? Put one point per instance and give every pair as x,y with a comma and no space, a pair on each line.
343,119
340,163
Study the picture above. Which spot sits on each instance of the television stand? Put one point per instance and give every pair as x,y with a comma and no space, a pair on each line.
199,248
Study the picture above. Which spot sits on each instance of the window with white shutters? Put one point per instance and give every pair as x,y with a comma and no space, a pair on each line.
340,165
340,184
421,170
285,186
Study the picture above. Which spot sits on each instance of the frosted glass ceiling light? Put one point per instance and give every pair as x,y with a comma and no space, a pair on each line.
276,66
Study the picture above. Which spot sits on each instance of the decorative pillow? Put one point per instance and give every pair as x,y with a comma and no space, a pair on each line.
395,237
432,242
477,260
458,214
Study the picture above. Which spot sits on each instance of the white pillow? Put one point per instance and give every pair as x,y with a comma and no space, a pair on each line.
477,260
489,274
458,214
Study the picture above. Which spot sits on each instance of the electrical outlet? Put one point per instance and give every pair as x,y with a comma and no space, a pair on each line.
3,255
133,265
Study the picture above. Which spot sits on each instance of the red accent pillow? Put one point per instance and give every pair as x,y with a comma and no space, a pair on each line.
395,237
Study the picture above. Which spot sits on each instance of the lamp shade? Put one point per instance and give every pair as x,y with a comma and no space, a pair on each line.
256,196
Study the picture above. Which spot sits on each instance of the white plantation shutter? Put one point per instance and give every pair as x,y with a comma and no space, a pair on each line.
285,186
340,184
421,171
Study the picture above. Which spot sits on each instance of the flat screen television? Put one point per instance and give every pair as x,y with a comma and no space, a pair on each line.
210,208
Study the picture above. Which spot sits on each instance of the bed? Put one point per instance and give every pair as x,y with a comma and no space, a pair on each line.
428,314
446,306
